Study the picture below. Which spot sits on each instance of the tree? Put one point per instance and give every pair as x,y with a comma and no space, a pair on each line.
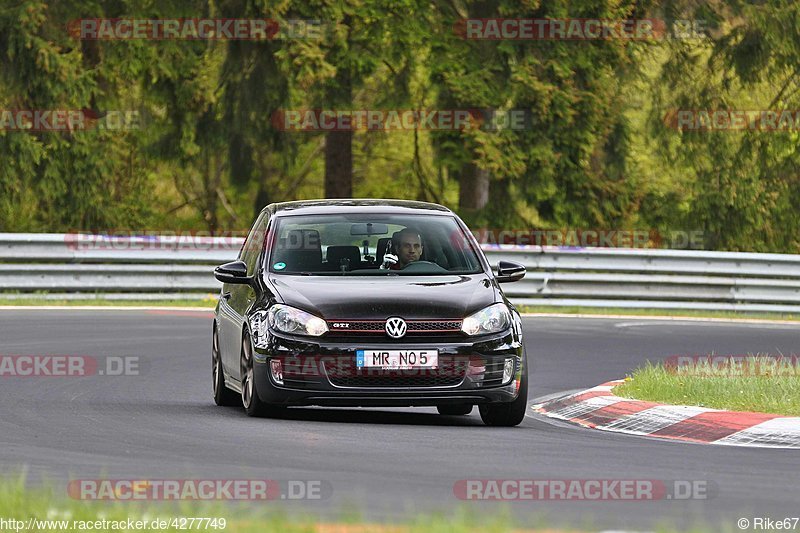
360,38
745,190
569,165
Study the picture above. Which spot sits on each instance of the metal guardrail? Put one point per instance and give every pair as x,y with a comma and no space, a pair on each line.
153,267
79,248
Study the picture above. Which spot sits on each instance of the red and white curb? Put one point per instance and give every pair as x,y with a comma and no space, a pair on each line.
599,408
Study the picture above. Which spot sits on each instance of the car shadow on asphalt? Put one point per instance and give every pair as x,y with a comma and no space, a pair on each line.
368,416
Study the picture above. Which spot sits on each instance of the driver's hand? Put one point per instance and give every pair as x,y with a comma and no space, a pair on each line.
388,261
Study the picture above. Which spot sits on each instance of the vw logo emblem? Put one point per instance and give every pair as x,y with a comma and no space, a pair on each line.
396,327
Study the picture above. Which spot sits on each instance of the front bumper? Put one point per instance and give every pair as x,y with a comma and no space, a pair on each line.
324,373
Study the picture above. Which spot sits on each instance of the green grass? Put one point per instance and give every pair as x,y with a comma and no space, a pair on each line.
209,302
733,388
690,313
19,502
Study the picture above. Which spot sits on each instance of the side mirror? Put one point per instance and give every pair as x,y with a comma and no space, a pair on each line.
509,271
234,272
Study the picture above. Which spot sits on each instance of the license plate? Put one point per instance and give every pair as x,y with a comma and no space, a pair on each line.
397,359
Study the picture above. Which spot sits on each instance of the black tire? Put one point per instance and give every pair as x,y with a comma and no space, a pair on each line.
455,409
507,414
222,395
253,405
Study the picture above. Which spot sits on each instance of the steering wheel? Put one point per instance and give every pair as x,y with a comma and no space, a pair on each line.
423,266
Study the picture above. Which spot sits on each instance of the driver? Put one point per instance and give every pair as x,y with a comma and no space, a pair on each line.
407,244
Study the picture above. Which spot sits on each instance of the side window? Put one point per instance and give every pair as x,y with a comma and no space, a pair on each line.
254,243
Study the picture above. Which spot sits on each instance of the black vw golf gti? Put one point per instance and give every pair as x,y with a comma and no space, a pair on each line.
367,303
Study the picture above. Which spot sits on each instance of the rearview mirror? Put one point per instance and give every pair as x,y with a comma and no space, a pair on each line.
233,272
509,271
369,228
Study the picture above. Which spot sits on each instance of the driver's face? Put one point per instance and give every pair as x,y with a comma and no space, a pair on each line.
410,249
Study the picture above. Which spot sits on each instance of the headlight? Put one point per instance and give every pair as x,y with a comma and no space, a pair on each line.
492,319
291,320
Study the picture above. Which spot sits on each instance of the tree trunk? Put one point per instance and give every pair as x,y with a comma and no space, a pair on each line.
473,193
339,164
339,144
501,210
262,198
210,193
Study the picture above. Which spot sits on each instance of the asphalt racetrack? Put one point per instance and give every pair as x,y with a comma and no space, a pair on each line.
389,464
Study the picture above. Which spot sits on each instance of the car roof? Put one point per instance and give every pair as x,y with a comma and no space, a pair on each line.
356,205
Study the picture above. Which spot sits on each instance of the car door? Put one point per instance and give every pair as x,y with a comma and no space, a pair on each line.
237,298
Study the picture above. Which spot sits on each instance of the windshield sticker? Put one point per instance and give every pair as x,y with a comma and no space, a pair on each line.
279,266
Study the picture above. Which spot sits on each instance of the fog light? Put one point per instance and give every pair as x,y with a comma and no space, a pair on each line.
508,369
277,371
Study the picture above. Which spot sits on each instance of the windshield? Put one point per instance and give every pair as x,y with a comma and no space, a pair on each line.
372,244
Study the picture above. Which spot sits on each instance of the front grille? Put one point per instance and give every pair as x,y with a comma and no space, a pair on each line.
415,327
310,373
434,325
451,372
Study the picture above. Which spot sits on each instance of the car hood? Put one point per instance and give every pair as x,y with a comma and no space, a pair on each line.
334,297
